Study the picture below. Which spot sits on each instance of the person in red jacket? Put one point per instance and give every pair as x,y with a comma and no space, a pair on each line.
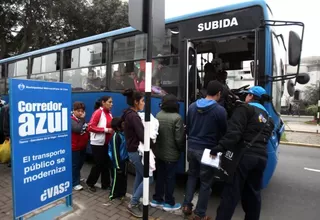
80,138
100,135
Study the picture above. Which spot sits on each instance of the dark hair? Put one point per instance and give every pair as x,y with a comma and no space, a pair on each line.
170,104
214,87
97,104
105,98
79,105
116,124
132,96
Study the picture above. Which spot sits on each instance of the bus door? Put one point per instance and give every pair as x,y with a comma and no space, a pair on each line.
191,84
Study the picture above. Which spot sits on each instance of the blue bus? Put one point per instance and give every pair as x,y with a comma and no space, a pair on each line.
227,36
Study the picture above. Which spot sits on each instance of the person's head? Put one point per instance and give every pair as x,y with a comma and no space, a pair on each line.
78,109
134,99
106,102
170,104
222,75
117,76
256,93
214,90
116,124
208,68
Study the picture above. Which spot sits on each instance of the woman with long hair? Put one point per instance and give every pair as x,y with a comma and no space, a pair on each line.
134,134
100,135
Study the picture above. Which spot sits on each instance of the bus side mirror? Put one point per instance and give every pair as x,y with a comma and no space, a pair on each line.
294,48
303,78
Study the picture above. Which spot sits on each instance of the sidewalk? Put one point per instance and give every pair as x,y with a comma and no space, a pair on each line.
87,206
300,127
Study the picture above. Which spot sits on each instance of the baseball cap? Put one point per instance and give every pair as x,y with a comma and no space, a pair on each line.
257,91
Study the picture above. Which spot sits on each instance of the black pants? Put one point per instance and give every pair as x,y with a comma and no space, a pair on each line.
119,184
166,181
246,185
102,166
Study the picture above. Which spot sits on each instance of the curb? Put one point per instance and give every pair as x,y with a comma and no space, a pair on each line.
306,132
299,144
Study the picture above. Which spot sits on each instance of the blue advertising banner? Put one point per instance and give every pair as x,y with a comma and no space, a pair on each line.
40,143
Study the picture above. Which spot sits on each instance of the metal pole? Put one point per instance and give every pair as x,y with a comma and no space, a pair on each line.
148,81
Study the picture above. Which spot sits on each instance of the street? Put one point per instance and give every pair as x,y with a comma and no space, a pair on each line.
294,192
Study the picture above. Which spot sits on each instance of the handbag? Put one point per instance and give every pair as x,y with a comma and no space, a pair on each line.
230,159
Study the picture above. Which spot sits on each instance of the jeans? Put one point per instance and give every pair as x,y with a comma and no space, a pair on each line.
166,181
206,175
135,158
247,183
78,158
101,167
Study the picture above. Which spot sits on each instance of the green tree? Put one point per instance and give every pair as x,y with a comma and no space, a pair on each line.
27,25
311,93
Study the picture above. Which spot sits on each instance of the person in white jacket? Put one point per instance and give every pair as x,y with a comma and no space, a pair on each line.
100,135
154,127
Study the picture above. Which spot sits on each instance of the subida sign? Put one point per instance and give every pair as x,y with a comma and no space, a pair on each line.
41,143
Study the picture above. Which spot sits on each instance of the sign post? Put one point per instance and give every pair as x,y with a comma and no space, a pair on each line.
40,135
148,17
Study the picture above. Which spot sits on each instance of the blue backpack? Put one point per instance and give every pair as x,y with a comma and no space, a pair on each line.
112,151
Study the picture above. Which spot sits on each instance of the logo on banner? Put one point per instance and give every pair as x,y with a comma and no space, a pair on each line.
41,118
21,86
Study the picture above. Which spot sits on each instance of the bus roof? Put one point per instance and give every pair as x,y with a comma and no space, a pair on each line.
222,9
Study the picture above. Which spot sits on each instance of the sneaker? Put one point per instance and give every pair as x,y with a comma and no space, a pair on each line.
135,210
78,187
82,179
155,204
169,208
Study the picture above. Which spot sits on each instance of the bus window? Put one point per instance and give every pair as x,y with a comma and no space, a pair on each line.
75,58
170,44
50,77
46,68
165,75
18,69
36,65
91,54
129,48
128,68
49,63
92,74
86,79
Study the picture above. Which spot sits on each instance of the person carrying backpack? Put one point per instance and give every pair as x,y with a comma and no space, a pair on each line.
119,156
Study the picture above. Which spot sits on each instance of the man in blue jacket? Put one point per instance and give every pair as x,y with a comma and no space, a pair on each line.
206,124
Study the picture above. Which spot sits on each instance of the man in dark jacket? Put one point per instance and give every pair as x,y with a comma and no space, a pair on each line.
245,124
206,124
